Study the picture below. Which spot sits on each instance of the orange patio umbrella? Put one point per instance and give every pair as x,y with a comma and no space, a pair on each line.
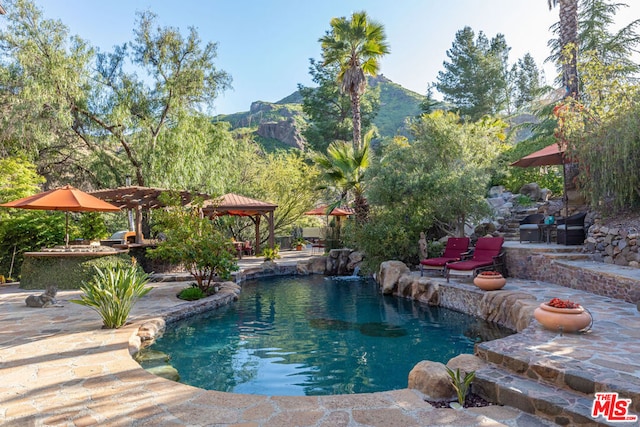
322,210
68,199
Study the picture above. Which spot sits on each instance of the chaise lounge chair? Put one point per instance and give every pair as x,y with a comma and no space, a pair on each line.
453,251
487,255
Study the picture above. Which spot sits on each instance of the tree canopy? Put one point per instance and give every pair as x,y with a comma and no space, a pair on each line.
355,45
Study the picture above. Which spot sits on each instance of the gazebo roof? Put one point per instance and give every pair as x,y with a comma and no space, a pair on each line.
147,197
234,204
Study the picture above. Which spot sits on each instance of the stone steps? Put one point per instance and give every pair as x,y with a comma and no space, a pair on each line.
546,384
559,405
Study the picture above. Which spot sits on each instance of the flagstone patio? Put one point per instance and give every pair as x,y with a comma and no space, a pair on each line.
59,367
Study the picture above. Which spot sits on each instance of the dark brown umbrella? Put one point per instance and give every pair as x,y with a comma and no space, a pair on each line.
548,156
551,155
66,199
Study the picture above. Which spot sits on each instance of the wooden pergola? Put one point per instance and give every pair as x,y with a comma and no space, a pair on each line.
236,205
139,198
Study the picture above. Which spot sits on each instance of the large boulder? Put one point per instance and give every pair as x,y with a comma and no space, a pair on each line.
532,190
432,379
466,363
389,274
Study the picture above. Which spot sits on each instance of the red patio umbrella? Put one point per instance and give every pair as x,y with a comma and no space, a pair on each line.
66,199
550,155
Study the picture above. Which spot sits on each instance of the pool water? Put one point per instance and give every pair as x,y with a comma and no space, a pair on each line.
316,336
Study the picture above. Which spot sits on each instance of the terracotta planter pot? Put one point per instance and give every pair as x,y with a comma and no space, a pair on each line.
562,319
489,283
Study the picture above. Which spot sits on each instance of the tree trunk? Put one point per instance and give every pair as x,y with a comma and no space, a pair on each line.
361,209
357,120
569,45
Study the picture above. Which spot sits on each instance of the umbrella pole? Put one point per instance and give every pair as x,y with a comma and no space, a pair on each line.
565,196
66,229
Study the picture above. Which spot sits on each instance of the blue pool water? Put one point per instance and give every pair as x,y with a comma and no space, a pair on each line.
316,336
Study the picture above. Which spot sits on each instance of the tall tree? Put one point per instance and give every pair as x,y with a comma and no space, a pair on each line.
526,81
595,18
85,107
475,77
568,29
343,171
329,110
355,45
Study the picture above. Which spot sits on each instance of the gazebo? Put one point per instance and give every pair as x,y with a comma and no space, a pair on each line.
234,204
138,198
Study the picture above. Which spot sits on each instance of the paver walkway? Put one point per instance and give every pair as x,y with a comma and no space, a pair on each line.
59,367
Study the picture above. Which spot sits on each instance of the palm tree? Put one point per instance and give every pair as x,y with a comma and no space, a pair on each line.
355,45
568,43
343,169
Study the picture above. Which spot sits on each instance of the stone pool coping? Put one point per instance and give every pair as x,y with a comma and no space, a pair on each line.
60,368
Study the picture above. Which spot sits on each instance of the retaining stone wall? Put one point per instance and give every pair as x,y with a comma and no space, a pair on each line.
613,245
554,267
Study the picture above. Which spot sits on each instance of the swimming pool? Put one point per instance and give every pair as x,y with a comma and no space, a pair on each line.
316,336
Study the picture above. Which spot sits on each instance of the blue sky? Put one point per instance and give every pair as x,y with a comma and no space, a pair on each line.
265,45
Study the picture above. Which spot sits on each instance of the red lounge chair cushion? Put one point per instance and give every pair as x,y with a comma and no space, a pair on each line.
438,262
486,249
453,251
469,265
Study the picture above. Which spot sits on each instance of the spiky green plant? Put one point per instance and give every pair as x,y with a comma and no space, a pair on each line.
461,384
113,291
271,254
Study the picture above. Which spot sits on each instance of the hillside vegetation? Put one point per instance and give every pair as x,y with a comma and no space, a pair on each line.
280,124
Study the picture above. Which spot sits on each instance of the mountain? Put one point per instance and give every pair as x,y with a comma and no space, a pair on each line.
280,124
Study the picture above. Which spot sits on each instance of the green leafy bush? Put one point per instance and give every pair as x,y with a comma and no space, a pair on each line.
435,248
66,272
195,243
271,254
192,293
522,200
112,293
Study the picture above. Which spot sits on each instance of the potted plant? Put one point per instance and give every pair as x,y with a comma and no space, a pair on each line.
300,242
562,315
489,280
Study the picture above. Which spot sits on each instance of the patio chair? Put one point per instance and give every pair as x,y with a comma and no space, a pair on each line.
487,255
247,249
453,251
529,228
570,230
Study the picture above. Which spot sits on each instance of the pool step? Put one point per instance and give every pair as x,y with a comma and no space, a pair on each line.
544,382
561,406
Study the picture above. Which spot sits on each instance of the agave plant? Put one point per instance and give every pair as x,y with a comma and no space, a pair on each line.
113,291
461,384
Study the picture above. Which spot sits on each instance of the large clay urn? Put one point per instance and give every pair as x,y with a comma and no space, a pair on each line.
489,280
562,319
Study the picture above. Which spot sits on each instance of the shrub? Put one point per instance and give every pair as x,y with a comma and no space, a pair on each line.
65,272
524,201
435,248
113,291
196,243
192,293
271,254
